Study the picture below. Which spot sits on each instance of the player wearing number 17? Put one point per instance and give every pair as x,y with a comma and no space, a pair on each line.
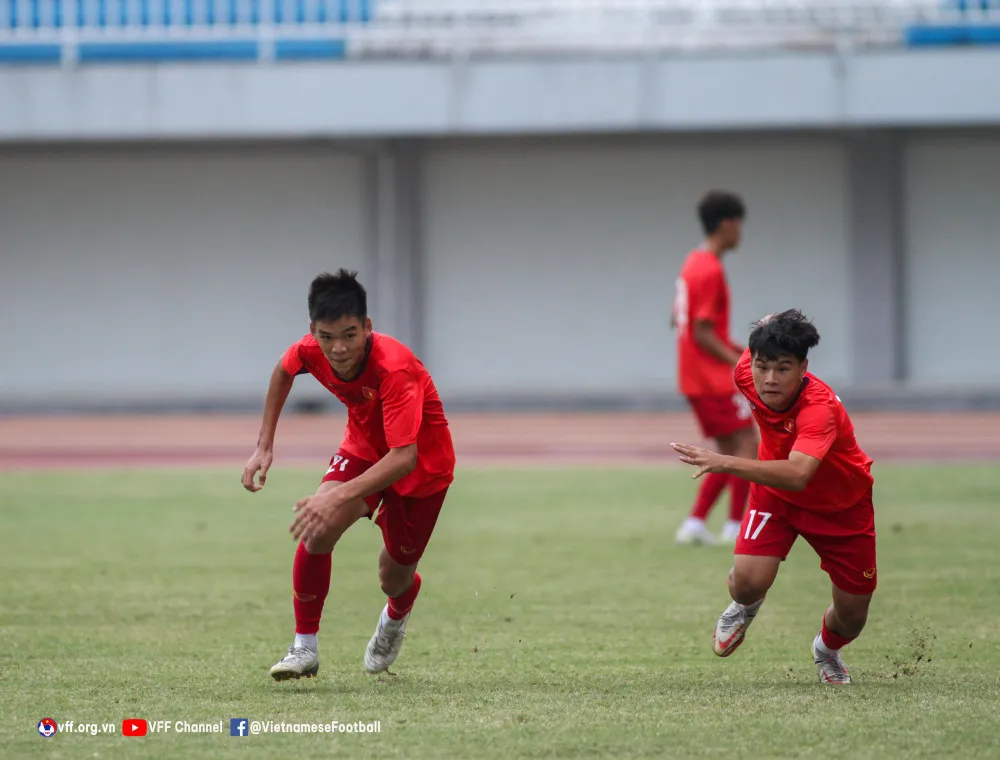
396,456
811,479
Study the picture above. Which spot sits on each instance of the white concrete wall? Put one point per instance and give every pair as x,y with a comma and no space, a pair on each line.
550,266
143,274
157,274
953,260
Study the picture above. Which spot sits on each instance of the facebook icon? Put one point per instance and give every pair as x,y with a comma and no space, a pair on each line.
238,726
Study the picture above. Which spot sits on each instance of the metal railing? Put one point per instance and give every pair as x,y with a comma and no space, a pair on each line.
143,16
415,28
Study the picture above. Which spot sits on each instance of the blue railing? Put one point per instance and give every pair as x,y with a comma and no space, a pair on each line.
975,24
47,32
171,14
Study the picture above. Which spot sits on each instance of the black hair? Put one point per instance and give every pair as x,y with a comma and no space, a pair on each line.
716,206
333,296
789,333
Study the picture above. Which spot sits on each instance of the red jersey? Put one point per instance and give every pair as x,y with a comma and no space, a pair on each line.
393,403
817,424
702,293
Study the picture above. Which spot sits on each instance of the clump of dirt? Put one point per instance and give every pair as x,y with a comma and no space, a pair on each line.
917,655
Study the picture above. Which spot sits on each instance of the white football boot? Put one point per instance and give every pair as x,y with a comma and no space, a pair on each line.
831,668
300,662
732,626
384,646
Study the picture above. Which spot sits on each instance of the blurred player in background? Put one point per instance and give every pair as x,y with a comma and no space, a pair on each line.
706,357
813,480
396,456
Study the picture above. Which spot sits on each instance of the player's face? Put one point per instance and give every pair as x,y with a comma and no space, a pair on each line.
343,343
778,380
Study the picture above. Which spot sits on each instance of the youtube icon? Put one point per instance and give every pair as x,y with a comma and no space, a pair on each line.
134,727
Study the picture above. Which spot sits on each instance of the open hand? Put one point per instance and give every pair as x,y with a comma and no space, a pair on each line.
703,459
315,515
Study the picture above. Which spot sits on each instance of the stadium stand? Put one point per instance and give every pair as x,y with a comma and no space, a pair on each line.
105,31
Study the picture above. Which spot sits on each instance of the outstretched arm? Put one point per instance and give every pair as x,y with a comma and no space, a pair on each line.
792,474
817,431
277,393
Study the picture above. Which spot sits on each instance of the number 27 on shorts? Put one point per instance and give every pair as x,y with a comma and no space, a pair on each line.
764,517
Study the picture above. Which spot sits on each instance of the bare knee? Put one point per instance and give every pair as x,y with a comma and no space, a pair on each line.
747,590
747,587
321,544
345,516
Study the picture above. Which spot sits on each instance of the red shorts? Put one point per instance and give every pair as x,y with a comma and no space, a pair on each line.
406,522
844,540
720,416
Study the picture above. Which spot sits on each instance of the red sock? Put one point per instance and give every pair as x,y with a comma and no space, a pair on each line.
310,584
400,606
739,493
833,640
712,486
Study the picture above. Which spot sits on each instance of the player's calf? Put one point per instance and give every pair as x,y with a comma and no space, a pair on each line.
848,614
393,577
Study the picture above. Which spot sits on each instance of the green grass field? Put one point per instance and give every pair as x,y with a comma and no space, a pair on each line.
557,619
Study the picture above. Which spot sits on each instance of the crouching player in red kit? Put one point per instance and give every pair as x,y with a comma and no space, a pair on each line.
811,479
396,457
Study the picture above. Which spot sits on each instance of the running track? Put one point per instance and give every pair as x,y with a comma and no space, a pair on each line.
480,439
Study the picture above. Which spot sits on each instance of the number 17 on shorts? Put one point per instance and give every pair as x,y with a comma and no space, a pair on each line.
755,540
755,524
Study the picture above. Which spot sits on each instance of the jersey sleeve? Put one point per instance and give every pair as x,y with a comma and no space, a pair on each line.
292,362
402,408
742,373
706,294
816,427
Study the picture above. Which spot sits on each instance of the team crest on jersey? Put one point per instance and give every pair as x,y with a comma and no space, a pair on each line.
369,393
789,426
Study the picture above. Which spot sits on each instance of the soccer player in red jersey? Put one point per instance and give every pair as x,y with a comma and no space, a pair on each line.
705,359
396,457
812,479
